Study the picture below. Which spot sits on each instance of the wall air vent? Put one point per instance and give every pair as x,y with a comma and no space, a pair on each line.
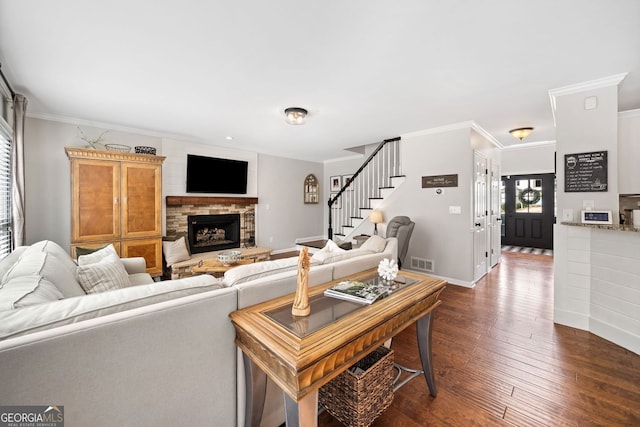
422,264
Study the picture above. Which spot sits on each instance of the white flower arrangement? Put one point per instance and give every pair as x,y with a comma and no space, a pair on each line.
388,269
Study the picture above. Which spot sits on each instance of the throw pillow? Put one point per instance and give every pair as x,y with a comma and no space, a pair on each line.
107,274
175,251
80,251
98,255
374,244
174,237
50,247
247,272
330,249
48,266
27,290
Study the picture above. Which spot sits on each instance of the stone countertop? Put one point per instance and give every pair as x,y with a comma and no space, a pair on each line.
616,227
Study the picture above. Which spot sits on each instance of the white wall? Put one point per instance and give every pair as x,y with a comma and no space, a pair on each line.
282,216
528,159
596,271
582,131
629,152
438,235
174,168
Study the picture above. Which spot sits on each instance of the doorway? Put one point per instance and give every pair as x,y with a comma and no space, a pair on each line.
527,208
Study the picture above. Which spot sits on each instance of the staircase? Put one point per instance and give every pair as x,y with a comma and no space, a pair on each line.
374,181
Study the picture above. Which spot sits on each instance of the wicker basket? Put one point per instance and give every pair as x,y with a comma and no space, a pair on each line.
356,399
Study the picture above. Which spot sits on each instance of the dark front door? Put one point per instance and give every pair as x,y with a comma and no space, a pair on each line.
528,210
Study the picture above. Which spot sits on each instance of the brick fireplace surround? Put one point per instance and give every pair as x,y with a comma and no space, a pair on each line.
180,207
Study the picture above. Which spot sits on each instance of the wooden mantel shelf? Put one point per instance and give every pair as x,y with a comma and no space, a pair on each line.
204,200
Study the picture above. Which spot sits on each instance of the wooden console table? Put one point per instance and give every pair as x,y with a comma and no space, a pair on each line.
301,354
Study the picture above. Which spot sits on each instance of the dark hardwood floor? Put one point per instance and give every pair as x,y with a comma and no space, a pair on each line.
500,360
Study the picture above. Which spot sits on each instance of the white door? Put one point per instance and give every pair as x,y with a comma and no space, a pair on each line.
480,241
494,208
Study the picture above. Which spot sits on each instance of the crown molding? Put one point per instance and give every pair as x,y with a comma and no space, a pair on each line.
486,134
629,113
455,126
110,126
581,87
526,145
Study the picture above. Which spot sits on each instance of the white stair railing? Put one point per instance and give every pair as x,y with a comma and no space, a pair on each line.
364,187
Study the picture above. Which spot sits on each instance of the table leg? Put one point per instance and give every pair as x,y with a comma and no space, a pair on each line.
303,413
255,381
424,345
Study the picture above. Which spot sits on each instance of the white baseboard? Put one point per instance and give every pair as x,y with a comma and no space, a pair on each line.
309,239
572,319
617,336
281,251
448,279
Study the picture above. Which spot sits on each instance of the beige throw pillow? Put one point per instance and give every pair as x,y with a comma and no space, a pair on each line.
175,251
105,275
374,244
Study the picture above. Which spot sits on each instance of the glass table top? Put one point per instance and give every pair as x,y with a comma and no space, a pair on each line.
326,310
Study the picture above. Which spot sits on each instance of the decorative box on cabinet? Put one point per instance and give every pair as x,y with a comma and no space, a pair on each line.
117,198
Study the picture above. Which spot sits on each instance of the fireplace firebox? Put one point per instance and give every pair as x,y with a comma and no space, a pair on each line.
213,232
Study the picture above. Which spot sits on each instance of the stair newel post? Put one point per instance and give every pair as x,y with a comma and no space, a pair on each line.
330,231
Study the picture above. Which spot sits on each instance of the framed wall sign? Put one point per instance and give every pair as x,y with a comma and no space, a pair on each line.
439,181
586,172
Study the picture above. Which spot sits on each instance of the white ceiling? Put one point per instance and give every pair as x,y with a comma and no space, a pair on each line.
366,70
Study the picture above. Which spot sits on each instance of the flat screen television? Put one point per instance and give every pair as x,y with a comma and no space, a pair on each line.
214,175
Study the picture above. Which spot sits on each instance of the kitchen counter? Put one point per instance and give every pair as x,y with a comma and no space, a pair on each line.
616,227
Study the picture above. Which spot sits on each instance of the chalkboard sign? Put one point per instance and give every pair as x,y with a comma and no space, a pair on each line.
436,181
585,172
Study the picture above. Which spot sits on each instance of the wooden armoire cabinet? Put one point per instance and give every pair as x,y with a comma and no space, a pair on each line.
117,198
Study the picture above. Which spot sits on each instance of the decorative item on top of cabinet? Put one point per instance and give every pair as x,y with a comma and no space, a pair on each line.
311,189
116,198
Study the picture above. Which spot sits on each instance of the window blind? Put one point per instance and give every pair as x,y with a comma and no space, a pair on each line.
5,196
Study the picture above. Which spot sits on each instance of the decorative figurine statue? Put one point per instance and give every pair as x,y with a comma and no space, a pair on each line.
301,301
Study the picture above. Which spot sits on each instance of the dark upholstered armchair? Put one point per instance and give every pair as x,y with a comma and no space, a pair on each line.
401,227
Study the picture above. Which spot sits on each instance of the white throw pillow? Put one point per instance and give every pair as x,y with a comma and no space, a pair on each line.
330,250
107,274
175,251
247,272
341,256
23,291
98,255
50,267
51,247
374,244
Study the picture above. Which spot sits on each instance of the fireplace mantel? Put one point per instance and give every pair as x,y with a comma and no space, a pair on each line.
204,200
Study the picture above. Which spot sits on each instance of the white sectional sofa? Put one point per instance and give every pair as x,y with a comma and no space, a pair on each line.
149,354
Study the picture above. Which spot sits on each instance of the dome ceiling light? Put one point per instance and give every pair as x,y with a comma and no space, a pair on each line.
521,133
296,115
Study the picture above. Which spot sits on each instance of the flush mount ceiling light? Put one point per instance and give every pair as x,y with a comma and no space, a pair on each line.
521,133
296,115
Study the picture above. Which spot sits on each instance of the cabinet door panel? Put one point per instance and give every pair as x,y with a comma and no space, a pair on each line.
149,249
95,200
141,193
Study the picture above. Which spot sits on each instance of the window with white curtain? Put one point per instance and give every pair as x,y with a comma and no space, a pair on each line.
5,196
6,135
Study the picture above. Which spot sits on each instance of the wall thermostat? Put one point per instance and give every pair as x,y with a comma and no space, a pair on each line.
596,217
